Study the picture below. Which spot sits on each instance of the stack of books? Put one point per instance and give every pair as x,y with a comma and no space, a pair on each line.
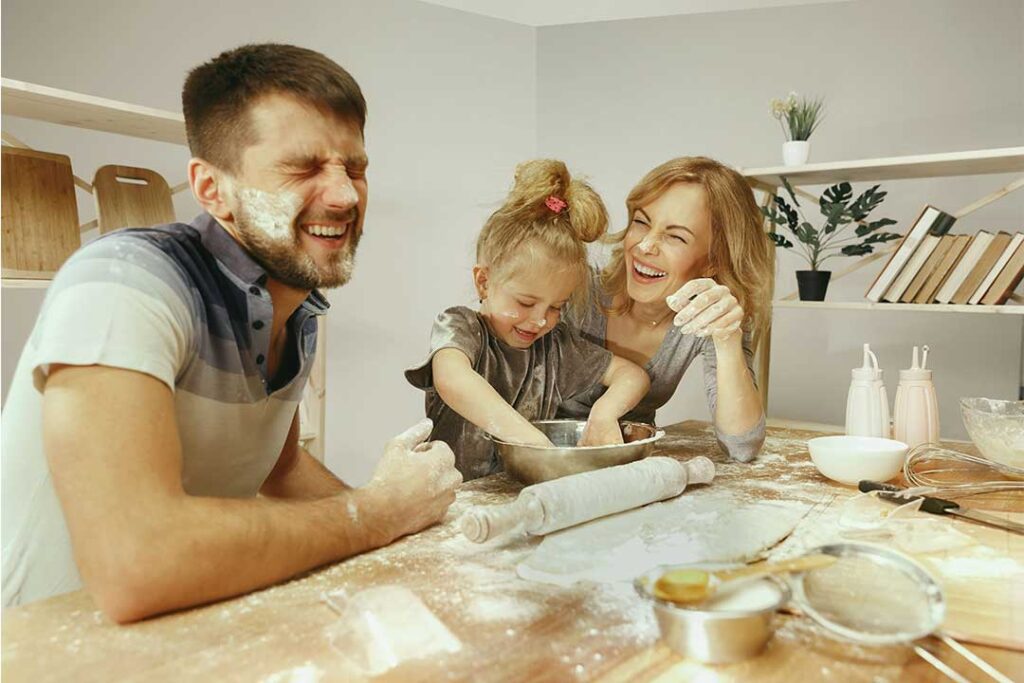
932,266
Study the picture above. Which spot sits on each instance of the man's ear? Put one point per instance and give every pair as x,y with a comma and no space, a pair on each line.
211,187
480,275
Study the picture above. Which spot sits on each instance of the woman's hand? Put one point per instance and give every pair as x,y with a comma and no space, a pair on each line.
601,432
706,308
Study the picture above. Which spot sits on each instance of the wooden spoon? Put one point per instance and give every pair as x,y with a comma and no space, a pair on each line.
691,586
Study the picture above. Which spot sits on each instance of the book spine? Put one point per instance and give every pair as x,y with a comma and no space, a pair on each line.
891,270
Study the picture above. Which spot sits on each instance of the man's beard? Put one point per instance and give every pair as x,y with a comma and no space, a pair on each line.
284,258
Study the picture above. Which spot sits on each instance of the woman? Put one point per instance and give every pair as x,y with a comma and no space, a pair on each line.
691,276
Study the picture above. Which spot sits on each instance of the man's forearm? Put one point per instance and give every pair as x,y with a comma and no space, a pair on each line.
203,549
305,478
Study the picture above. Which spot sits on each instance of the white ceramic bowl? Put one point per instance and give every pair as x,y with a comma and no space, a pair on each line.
849,459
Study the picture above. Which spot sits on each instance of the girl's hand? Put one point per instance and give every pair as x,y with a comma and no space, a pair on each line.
601,432
706,308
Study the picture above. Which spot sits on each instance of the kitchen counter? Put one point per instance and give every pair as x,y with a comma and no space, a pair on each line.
505,628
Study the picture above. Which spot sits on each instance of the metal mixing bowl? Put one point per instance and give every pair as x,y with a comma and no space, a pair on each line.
996,428
708,635
532,464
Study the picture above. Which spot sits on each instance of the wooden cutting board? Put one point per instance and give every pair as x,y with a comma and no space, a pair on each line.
984,585
129,197
40,212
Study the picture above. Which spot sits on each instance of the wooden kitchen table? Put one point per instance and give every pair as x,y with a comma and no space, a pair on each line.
510,629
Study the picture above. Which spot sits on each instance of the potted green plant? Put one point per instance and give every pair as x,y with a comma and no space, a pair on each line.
833,239
798,117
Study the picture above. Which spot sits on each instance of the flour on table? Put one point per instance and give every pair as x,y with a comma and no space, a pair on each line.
307,673
512,607
865,518
381,628
706,526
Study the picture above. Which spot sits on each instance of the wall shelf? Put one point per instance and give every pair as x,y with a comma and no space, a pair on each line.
24,283
976,162
1001,160
1005,309
67,108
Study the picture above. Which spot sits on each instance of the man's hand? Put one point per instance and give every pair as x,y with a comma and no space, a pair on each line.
601,431
413,485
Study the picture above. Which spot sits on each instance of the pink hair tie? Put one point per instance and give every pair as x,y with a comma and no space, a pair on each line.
555,204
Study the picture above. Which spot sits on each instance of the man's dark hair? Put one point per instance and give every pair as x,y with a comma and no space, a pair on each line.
218,95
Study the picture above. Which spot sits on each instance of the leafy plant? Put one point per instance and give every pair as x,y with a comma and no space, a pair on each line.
840,210
801,116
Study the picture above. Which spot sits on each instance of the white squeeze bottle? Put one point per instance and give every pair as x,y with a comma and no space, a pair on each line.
867,404
916,414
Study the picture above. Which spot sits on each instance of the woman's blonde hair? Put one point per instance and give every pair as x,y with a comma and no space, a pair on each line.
546,210
740,255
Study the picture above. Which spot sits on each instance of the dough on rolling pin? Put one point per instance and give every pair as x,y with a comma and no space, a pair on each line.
583,497
560,503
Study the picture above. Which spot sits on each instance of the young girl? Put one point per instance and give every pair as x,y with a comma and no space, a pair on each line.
497,369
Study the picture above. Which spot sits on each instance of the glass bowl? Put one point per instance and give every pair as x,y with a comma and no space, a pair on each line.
997,428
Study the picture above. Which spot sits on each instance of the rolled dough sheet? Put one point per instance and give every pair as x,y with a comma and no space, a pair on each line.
712,527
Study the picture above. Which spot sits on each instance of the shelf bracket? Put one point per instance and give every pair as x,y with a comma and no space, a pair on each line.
989,198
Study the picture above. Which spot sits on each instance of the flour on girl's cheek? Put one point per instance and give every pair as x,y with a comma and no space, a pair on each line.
512,315
271,212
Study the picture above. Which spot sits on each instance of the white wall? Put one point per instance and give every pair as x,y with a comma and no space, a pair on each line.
451,110
456,100
899,77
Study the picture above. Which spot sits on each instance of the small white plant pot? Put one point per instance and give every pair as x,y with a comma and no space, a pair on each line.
796,152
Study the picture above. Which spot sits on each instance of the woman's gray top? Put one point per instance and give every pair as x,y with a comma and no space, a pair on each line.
533,380
665,369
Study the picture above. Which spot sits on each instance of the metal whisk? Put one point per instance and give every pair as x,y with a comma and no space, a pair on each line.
928,460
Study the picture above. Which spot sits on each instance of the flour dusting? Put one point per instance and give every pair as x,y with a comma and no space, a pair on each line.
353,512
272,212
383,627
307,673
705,526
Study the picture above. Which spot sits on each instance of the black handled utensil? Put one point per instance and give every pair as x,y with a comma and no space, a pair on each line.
939,506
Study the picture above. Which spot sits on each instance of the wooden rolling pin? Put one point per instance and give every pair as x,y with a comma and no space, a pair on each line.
577,498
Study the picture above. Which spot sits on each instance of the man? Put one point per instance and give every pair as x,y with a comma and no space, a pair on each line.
158,392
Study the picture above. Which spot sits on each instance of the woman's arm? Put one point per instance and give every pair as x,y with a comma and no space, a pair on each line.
472,397
707,308
738,409
627,383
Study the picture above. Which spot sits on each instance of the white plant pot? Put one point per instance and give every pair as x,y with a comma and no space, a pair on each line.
795,152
